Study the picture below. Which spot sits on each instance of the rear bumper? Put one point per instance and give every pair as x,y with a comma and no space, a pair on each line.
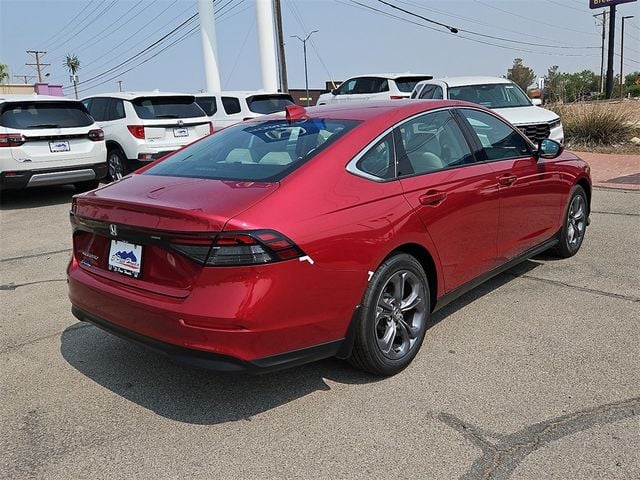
53,176
212,361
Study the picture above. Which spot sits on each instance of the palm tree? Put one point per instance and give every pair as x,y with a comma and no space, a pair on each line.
4,72
72,62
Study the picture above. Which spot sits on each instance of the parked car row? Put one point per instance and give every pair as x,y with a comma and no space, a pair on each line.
499,94
53,140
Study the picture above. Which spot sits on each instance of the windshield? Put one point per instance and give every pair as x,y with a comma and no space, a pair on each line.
24,115
266,104
407,84
497,95
167,107
257,151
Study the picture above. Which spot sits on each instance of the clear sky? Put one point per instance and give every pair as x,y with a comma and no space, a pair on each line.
352,39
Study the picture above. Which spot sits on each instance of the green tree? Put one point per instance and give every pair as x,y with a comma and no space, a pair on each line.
579,86
553,85
521,75
72,62
4,72
632,84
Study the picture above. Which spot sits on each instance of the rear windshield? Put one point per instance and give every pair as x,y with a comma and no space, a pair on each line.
496,95
208,104
25,115
267,104
407,84
257,151
167,107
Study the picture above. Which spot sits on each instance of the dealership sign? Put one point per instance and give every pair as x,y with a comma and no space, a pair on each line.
606,3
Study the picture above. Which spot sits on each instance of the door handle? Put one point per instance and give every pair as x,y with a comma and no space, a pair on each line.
432,198
507,179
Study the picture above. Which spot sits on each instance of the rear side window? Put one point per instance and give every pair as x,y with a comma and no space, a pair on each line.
407,84
371,85
266,104
256,151
379,161
25,115
115,110
167,107
208,104
231,105
431,92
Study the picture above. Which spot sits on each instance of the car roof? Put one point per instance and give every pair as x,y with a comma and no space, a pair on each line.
241,93
391,76
376,109
34,97
471,80
134,95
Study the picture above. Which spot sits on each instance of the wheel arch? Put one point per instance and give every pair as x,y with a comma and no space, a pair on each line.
111,144
425,258
584,183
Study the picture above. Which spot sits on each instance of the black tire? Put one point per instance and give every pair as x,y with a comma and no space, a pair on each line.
86,186
116,164
574,225
375,322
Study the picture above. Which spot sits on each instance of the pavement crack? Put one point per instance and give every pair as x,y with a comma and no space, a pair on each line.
499,460
582,289
616,213
13,286
53,252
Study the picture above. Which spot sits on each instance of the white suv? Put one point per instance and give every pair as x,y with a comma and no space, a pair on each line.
383,86
227,108
140,127
501,95
49,141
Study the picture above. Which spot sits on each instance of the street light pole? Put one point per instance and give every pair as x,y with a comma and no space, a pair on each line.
304,50
622,55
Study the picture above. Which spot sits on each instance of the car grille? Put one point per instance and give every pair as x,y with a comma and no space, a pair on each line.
536,132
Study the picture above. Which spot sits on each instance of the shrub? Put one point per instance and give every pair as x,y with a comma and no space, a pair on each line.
595,123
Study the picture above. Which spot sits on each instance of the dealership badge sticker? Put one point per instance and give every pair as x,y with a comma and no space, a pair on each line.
125,258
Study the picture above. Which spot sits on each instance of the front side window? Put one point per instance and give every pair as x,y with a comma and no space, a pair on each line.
45,114
208,104
499,140
167,107
379,160
266,104
231,105
496,95
264,151
432,142
347,87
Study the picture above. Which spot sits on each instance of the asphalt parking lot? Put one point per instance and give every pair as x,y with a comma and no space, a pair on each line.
535,374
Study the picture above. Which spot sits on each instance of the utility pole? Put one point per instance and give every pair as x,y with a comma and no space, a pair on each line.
604,31
120,85
622,55
612,35
25,78
304,49
38,64
284,84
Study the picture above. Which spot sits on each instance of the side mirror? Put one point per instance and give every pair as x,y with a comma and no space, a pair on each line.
334,91
536,101
548,148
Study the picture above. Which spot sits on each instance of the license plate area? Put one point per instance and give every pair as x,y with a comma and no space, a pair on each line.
181,132
59,146
125,258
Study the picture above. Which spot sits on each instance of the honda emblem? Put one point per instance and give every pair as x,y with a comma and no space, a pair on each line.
113,230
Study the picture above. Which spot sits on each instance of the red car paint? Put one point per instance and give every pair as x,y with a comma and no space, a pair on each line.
467,220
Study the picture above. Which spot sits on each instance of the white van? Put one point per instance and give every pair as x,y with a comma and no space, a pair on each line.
501,95
227,108
49,141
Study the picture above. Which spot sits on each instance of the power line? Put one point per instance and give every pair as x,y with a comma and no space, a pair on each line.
70,23
581,10
57,45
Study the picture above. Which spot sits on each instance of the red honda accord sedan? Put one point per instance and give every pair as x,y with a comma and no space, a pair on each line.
336,231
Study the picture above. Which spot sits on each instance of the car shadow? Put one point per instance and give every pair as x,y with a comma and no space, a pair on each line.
36,197
203,397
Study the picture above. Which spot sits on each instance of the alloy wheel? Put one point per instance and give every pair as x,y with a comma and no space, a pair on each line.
400,314
116,170
576,221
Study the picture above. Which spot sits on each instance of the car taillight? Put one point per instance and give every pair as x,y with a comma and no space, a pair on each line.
96,135
238,248
11,139
137,131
